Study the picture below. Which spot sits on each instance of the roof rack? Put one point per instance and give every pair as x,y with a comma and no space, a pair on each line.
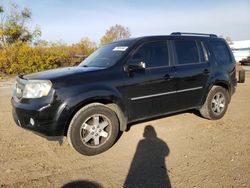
200,34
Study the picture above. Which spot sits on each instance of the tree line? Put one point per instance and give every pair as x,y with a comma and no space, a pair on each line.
22,51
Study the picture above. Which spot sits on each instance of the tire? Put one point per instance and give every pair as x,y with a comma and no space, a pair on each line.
93,129
241,76
216,103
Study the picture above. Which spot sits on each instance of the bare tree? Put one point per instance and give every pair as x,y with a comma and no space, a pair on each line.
229,40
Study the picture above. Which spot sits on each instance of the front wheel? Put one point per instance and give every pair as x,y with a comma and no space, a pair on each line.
216,103
93,129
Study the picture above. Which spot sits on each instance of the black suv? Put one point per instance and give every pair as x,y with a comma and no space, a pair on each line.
124,82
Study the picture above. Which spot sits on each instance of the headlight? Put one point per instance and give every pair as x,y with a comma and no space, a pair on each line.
36,88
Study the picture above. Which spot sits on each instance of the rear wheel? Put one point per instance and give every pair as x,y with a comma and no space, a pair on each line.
216,103
93,129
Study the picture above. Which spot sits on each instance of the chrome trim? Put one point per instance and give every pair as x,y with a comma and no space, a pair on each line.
190,89
44,107
155,95
166,93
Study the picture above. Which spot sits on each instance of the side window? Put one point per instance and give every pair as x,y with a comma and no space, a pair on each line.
220,51
186,51
153,54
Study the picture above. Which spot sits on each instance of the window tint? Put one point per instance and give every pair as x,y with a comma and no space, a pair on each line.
220,52
154,54
186,52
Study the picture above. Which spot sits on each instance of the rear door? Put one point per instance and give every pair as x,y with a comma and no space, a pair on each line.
192,71
151,91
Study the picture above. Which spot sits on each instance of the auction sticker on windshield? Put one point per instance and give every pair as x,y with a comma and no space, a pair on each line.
120,48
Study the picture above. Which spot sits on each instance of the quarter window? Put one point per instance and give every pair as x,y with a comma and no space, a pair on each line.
221,52
186,52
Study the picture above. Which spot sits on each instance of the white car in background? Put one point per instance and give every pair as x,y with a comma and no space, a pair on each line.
241,49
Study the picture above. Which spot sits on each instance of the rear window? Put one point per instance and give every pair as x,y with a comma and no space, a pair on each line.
221,52
186,51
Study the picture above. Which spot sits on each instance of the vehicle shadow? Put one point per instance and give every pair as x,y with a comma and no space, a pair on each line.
82,184
148,168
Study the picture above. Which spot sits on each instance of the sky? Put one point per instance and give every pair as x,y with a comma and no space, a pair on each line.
71,20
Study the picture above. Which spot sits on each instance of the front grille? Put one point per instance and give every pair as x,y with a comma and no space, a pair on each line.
20,84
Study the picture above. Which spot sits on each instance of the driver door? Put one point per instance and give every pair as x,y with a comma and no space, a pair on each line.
151,91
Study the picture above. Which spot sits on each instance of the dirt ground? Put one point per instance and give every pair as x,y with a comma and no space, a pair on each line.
181,150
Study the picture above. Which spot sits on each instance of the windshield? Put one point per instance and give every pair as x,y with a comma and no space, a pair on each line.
106,56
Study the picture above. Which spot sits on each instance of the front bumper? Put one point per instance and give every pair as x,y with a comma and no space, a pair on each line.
49,120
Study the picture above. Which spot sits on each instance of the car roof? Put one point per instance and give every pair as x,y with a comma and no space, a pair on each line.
159,37
131,41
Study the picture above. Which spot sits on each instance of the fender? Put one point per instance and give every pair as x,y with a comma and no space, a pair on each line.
103,95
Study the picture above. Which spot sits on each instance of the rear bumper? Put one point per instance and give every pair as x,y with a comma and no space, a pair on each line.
48,120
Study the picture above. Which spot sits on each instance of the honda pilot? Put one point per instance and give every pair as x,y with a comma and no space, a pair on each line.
124,82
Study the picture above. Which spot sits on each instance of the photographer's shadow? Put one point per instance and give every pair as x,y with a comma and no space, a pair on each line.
148,168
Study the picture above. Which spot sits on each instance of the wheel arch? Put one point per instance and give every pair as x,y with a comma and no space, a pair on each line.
221,83
112,103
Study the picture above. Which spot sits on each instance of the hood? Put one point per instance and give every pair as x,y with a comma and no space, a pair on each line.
60,72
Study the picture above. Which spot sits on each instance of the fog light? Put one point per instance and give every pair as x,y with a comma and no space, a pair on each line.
32,121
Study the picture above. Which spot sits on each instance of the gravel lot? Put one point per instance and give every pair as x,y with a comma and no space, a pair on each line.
182,150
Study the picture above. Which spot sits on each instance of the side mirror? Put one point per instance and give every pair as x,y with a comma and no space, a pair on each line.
135,64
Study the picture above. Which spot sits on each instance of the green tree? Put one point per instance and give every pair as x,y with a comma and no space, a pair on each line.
14,26
87,46
115,33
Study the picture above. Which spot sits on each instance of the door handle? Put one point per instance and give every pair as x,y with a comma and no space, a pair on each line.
168,77
206,71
